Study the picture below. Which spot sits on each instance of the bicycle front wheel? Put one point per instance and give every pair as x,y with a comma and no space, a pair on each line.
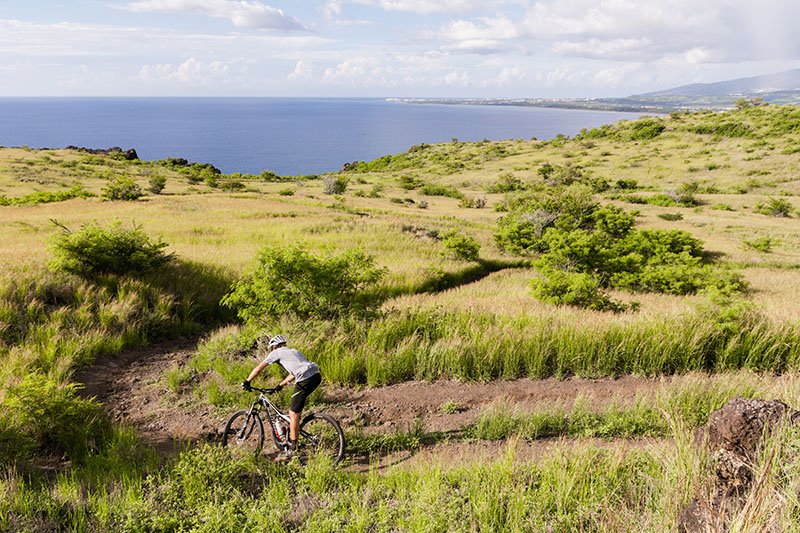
321,438
244,433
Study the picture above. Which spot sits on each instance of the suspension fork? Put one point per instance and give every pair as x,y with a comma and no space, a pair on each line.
246,427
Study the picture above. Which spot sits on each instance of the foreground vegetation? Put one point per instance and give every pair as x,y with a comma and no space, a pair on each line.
446,261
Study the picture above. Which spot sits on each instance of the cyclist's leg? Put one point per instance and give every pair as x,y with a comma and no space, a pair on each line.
302,390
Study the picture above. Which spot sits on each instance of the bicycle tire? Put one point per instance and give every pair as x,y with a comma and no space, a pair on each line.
321,437
244,435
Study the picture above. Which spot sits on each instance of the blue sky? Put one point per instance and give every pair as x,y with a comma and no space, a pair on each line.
457,48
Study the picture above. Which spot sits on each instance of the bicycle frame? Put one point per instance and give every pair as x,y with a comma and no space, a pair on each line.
271,410
264,403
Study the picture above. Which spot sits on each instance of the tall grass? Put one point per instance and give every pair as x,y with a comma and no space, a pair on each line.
433,344
52,324
584,489
687,402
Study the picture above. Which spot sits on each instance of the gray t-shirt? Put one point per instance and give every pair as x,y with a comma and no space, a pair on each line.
293,362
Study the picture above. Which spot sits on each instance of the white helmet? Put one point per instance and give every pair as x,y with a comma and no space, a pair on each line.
277,340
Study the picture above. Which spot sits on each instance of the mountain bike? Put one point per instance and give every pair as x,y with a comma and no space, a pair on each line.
320,435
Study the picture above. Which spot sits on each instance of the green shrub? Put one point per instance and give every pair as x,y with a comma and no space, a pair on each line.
775,207
670,216
460,246
231,185
157,184
293,281
577,289
506,183
286,192
44,417
762,244
408,183
123,188
440,190
474,203
95,249
41,197
574,235
335,184
646,129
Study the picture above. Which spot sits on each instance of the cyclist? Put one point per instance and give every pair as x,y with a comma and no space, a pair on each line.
302,370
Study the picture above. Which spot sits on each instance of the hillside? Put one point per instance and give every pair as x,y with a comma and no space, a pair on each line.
469,399
782,88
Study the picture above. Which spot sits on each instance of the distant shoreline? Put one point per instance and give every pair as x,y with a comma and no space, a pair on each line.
583,104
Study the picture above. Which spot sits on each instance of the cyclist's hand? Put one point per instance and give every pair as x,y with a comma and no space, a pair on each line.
275,390
246,386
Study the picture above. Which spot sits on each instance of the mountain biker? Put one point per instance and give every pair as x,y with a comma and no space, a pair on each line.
306,374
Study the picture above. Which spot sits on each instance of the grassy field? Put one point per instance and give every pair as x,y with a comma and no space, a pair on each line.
731,180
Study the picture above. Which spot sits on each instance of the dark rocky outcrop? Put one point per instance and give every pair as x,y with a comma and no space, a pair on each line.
733,436
349,166
128,155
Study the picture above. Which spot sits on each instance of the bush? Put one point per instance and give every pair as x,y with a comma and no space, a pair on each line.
762,244
461,246
157,184
106,250
577,289
475,203
646,129
440,190
292,281
506,183
775,207
123,188
42,416
335,184
42,197
572,233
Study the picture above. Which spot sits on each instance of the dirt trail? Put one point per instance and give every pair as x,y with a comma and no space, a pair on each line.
127,385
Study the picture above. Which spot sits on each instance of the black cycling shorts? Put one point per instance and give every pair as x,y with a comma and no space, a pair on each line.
302,389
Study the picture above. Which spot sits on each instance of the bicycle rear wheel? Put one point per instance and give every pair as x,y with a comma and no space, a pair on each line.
244,435
321,438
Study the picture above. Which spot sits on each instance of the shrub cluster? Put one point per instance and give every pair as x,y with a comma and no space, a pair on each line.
584,247
430,189
461,246
775,207
335,184
95,250
293,281
123,188
37,198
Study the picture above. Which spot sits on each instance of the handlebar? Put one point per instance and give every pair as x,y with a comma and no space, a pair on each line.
264,391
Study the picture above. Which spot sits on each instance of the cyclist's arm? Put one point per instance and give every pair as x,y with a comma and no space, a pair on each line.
287,379
256,371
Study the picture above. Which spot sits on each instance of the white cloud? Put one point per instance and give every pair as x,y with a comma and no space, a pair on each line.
430,7
242,13
603,49
644,30
191,72
91,40
304,70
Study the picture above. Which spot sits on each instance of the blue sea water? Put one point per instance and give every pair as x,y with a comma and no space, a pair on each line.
290,136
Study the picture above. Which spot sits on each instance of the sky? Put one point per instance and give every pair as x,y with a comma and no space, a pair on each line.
388,48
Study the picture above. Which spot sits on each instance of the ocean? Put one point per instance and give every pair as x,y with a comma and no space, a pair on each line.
290,136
